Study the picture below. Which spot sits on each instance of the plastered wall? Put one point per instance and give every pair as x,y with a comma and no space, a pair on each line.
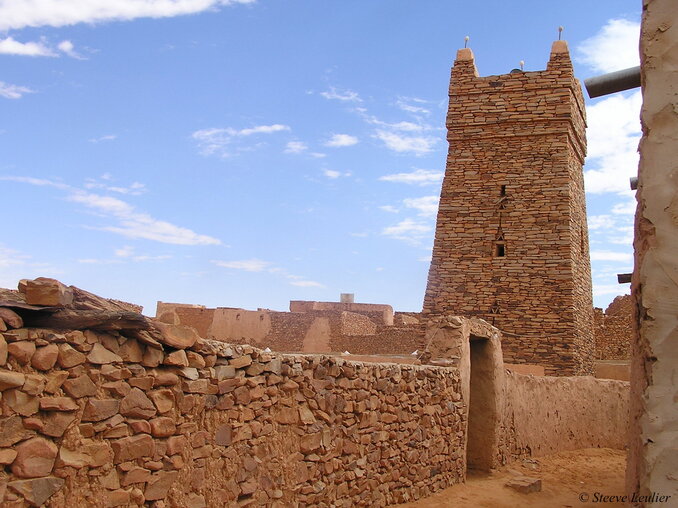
653,460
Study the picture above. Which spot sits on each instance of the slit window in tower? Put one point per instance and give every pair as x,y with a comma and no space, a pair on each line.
502,190
500,249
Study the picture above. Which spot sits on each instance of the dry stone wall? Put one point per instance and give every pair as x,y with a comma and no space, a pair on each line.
614,329
511,242
92,418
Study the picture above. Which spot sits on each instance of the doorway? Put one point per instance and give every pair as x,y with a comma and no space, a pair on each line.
483,418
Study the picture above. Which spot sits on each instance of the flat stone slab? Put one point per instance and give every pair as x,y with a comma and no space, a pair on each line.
524,484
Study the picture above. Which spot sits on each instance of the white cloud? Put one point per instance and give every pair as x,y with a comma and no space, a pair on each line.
307,284
295,147
600,222
426,205
628,207
16,14
389,208
613,48
68,48
613,135
125,251
13,91
135,189
417,145
225,141
129,222
608,289
405,103
107,137
329,173
10,46
416,177
408,230
248,265
341,95
338,140
622,257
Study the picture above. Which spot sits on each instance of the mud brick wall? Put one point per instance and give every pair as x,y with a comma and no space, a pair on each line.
514,179
614,329
98,419
543,415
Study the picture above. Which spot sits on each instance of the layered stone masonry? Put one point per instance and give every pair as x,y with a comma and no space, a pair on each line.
100,419
614,329
511,242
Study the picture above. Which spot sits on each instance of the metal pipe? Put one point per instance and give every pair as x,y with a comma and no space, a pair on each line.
613,82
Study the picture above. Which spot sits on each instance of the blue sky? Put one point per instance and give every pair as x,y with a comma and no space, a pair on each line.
246,153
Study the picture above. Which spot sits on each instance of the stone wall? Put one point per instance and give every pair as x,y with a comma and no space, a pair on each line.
100,419
614,329
511,242
314,327
653,461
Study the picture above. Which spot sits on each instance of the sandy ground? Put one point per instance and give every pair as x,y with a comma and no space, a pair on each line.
564,476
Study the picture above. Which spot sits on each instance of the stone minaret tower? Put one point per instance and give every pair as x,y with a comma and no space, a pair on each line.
511,242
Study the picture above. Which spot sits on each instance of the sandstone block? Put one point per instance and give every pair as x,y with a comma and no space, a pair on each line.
3,350
55,380
22,351
37,491
310,442
159,485
223,435
100,409
163,400
131,351
177,336
241,361
100,355
195,360
119,387
9,379
222,372
58,404
116,498
197,386
20,402
165,379
56,423
12,430
176,445
137,405
11,318
35,458
288,416
46,292
152,357
144,383
81,386
69,357
131,448
72,458
162,427
45,357
524,484
34,384
135,475
176,358
7,456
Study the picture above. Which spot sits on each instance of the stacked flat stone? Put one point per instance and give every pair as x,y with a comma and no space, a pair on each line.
511,241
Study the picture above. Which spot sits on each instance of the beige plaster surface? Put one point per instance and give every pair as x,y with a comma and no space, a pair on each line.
653,448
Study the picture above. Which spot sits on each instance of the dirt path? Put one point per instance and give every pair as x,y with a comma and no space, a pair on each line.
565,476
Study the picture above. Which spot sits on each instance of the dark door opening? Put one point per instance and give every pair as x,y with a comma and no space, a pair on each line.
482,412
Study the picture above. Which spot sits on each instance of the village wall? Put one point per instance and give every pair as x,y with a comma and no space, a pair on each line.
613,329
97,419
544,414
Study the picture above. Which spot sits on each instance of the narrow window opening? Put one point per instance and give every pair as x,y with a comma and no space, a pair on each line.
499,250
502,190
